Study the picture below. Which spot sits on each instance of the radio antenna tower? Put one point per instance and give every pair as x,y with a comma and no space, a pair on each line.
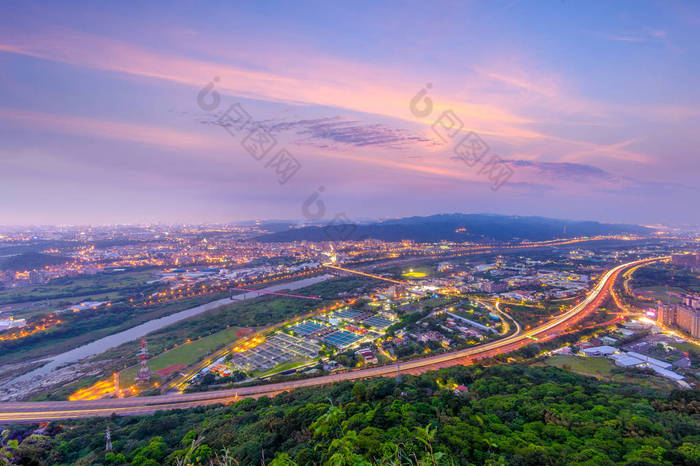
144,374
108,436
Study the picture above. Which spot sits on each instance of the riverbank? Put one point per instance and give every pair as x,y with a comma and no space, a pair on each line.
58,368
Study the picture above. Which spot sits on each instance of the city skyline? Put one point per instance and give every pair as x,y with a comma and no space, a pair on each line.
592,113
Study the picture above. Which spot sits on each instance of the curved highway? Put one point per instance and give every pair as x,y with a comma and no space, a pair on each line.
52,410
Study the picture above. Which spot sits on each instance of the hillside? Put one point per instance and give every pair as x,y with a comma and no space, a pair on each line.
456,227
510,415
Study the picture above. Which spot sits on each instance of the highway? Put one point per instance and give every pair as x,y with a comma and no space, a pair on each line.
53,410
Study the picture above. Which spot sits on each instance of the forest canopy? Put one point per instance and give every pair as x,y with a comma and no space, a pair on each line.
508,414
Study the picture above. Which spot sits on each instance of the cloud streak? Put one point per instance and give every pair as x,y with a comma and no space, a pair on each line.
568,171
114,130
339,84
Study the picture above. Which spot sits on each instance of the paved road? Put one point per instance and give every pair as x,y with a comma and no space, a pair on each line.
51,410
134,333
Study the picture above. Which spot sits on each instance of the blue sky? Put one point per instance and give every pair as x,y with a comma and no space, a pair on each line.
590,111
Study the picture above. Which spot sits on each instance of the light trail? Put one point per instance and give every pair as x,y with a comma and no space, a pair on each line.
51,410
518,329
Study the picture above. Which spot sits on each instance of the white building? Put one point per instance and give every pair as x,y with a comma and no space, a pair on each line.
11,322
599,351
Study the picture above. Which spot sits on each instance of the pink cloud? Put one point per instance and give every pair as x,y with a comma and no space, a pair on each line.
146,134
321,81
332,82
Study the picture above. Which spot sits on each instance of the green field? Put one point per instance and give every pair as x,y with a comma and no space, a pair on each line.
68,290
185,354
656,277
596,367
687,347
659,292
530,315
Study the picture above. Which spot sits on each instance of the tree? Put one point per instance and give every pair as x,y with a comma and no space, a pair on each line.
32,450
203,454
514,414
6,455
151,454
691,451
359,390
283,459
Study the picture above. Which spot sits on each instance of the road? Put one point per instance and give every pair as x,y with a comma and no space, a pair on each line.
52,410
181,381
134,333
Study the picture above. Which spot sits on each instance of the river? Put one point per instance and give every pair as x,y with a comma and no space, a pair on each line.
111,341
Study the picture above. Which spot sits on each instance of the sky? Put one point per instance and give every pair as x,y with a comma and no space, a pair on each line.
184,112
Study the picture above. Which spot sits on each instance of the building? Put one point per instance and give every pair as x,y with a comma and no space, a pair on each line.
688,319
686,260
367,356
493,287
683,317
461,390
519,295
397,291
623,360
11,322
650,361
666,315
35,278
692,300
472,323
632,359
599,351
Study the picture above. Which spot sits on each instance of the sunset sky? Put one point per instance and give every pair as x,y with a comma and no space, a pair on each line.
595,107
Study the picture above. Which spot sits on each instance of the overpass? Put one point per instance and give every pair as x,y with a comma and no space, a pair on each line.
54,410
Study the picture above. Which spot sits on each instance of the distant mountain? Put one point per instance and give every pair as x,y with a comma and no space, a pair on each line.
455,227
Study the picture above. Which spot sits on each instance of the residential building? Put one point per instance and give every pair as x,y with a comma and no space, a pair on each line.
683,317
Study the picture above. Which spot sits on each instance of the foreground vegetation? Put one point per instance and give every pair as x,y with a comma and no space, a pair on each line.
512,414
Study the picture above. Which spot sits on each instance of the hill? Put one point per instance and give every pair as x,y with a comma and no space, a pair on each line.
510,414
456,227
